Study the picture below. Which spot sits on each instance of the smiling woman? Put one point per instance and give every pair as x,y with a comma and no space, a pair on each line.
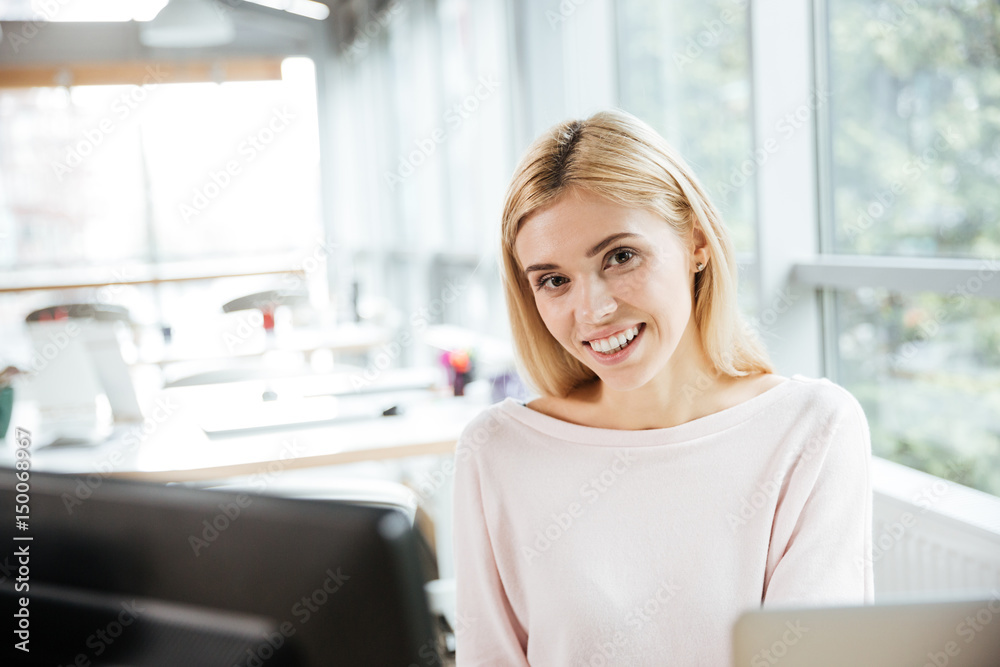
666,479
667,272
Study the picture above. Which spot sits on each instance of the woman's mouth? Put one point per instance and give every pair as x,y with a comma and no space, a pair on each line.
615,348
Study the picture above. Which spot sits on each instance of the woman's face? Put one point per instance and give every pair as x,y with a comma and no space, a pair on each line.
599,270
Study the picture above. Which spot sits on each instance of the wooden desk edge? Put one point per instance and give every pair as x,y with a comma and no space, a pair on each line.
266,467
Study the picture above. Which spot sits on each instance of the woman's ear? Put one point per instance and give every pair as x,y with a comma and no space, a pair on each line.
700,245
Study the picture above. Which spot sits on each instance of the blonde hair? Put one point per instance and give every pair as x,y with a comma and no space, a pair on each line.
616,156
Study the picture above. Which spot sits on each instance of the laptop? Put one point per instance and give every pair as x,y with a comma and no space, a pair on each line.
958,632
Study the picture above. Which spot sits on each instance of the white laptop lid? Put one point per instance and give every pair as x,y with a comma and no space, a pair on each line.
955,633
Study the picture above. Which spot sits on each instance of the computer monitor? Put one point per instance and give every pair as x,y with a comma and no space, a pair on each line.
78,377
145,574
958,632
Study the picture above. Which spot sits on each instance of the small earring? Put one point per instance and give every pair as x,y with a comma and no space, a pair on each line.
699,267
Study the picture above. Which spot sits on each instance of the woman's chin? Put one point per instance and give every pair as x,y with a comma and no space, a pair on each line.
620,380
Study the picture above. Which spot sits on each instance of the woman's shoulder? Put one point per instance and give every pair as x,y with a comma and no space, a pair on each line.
822,396
488,422
825,389
749,387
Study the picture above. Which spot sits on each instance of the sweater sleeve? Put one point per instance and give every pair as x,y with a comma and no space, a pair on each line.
821,538
490,633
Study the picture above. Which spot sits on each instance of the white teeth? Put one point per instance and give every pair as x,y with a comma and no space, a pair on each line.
614,343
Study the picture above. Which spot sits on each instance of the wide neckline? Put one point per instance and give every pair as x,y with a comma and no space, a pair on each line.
694,429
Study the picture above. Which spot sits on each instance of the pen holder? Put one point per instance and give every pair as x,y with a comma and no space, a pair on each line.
460,369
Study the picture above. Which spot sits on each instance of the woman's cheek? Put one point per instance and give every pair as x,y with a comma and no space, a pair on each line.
633,283
552,318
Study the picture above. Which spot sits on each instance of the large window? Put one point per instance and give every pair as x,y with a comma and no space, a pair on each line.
914,151
915,90
114,183
909,168
424,136
160,171
926,368
684,68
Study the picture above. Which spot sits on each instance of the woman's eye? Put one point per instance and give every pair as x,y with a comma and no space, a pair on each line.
622,256
548,280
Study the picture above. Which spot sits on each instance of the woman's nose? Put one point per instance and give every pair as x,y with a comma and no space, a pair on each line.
595,300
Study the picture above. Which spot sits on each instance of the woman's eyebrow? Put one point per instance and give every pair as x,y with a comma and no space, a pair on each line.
590,253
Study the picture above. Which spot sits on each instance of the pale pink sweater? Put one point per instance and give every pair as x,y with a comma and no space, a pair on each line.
577,545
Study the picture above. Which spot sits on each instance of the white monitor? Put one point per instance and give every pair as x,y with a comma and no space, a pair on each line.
79,380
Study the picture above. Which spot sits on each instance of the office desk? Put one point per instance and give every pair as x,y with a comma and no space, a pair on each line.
171,446
345,338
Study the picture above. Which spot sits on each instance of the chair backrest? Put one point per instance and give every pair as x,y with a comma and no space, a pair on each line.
368,492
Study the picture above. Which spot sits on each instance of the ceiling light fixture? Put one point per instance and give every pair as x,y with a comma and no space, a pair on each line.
189,24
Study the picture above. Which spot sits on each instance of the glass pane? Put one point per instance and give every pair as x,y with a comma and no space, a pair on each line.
94,175
926,368
416,173
71,192
684,68
914,124
477,139
234,167
425,154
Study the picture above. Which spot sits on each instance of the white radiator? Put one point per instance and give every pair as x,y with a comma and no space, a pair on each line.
931,537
